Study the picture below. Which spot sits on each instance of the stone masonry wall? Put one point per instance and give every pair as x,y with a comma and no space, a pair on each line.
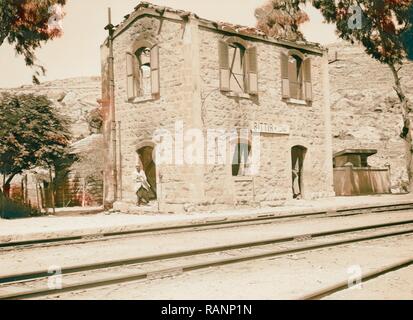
307,125
189,85
139,121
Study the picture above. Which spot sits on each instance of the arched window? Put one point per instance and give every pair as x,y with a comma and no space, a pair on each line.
295,75
142,69
237,81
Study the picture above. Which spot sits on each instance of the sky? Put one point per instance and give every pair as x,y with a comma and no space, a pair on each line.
77,52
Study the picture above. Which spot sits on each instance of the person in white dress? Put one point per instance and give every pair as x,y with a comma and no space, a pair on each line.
142,186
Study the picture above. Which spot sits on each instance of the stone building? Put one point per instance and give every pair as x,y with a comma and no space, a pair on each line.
181,90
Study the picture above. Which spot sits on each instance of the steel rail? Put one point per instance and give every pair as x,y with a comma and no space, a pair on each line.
265,218
181,254
343,285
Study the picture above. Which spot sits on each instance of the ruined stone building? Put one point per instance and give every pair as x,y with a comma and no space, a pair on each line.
176,78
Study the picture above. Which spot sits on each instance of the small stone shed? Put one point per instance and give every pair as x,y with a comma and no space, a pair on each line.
353,176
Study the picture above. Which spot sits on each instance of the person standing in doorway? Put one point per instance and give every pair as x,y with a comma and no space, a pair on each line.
148,165
142,186
296,181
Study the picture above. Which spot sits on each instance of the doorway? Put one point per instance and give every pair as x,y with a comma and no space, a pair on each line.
297,160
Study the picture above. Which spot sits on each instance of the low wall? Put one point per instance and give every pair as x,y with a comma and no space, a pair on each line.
350,181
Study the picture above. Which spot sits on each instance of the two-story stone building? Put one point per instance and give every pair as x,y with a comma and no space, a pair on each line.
242,119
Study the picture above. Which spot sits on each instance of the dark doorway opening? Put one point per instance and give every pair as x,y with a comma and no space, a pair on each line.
297,156
147,163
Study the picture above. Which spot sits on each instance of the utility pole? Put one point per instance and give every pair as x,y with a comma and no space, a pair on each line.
111,29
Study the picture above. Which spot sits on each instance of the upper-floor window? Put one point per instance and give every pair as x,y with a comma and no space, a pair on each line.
238,66
142,70
237,69
296,76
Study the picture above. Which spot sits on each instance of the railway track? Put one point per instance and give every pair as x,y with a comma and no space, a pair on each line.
35,284
343,285
263,219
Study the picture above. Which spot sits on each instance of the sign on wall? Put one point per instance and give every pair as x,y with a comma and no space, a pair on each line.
263,127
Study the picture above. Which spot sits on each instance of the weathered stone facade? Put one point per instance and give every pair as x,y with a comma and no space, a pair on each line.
190,94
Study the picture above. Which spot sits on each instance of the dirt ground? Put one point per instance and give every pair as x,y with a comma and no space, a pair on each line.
394,285
290,277
27,260
59,226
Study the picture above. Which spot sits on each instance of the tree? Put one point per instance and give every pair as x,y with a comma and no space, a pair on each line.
32,134
27,24
281,18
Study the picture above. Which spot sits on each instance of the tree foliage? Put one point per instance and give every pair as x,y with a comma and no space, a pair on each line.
385,25
407,35
32,134
26,24
281,19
